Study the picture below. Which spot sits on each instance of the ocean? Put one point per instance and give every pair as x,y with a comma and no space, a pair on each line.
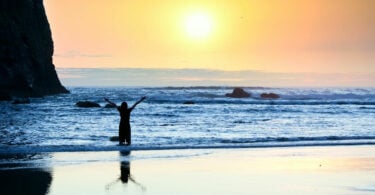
301,117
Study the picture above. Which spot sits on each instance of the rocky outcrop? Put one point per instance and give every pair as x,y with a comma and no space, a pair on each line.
110,106
21,101
26,50
87,104
5,96
238,93
269,96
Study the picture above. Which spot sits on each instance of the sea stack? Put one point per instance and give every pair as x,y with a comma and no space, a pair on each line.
26,49
87,104
269,96
238,93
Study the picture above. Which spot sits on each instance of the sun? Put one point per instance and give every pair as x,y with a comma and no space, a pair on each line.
198,25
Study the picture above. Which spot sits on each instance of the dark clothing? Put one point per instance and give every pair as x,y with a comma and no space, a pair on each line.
124,128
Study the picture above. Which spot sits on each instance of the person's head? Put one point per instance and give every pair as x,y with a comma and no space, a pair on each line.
124,106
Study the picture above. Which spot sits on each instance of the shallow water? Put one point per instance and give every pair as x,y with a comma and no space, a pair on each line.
302,170
302,116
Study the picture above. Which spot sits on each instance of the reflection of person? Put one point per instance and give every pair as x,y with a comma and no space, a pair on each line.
125,175
124,168
124,128
125,171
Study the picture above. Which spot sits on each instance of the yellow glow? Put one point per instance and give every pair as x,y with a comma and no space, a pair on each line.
198,25
274,36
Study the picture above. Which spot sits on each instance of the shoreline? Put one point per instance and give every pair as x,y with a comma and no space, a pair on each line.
286,170
114,148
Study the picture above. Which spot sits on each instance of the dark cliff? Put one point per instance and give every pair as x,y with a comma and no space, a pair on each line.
26,49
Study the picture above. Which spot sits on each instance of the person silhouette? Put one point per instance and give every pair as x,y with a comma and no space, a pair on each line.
124,127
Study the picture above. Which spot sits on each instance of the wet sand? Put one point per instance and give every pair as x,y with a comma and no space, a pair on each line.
296,170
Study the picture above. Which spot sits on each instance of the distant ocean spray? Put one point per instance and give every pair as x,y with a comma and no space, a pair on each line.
302,116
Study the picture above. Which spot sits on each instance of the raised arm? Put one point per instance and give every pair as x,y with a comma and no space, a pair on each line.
136,103
109,102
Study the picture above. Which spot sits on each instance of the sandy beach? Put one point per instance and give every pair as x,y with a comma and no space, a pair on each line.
295,170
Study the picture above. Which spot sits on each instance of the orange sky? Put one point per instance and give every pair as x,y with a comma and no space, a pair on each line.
321,36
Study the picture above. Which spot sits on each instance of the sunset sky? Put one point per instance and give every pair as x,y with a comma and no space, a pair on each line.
283,36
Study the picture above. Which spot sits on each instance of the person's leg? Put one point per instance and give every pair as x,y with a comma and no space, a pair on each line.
128,136
121,135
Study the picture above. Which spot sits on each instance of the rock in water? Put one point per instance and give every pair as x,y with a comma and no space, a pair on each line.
269,96
109,106
5,96
114,139
189,102
238,93
26,50
21,101
87,104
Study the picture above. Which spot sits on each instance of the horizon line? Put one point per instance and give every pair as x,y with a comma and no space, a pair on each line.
211,69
